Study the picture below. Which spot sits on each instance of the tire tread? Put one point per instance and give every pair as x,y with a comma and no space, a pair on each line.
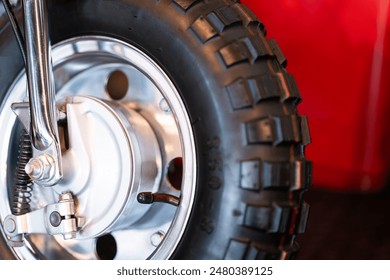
286,217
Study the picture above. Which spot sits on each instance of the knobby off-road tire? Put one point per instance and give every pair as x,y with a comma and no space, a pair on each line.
242,104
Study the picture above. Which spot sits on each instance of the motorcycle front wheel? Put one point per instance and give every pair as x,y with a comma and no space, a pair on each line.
183,97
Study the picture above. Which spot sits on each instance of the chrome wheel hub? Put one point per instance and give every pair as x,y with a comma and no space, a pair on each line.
125,129
113,155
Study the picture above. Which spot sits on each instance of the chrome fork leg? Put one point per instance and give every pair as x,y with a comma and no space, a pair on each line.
46,166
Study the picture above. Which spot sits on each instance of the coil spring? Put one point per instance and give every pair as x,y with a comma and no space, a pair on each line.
23,184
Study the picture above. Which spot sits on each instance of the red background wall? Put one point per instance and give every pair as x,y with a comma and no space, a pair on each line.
338,52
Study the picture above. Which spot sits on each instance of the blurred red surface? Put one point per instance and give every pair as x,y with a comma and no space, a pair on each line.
338,52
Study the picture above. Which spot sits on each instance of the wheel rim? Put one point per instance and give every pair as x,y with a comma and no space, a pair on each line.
115,72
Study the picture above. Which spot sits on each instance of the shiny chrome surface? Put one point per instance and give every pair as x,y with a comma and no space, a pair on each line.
41,90
53,219
82,67
113,155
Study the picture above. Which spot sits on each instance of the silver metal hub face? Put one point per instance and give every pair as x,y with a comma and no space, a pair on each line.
113,155
125,125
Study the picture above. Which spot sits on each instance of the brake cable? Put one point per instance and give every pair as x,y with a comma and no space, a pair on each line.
15,26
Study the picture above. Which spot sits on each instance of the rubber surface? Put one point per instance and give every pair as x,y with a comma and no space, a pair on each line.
243,108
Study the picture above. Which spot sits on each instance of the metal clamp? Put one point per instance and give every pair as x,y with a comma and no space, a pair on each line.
53,219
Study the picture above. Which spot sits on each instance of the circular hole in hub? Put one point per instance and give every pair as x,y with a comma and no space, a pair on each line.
106,248
175,173
117,85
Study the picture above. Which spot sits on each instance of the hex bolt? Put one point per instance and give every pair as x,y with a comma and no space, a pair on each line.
55,219
34,168
66,196
156,238
40,168
10,225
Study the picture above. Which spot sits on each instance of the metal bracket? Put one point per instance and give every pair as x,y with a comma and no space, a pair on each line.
53,219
